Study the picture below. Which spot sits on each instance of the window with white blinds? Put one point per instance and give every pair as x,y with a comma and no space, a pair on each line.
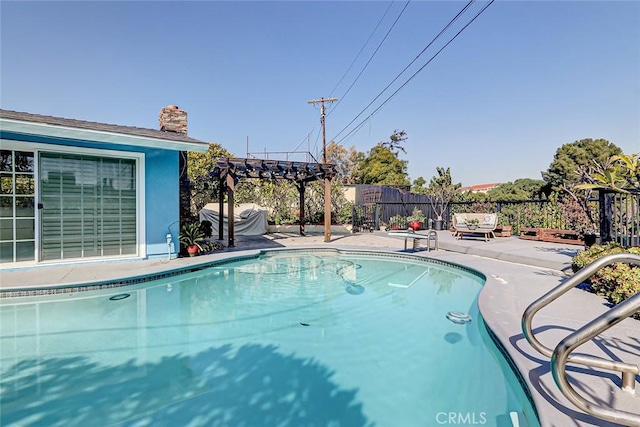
88,206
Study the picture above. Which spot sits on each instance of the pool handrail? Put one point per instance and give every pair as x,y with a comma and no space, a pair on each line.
561,355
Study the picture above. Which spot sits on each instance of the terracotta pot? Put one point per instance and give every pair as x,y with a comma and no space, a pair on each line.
415,225
192,250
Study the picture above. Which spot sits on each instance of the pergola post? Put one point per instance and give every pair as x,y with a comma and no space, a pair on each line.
221,209
230,170
327,209
301,188
231,188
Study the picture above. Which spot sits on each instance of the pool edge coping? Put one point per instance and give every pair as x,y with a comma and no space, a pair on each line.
223,258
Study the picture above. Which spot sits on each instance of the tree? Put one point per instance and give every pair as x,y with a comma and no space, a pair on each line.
520,189
397,138
382,167
442,191
470,196
563,171
281,198
204,188
346,161
314,201
418,186
621,173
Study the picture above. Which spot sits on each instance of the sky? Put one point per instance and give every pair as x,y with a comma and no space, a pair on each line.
493,103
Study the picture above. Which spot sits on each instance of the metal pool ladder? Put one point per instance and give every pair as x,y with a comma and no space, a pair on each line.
562,353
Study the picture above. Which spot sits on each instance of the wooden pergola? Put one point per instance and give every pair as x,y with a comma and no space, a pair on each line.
230,170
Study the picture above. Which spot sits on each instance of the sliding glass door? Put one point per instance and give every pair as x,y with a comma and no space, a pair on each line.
87,206
17,209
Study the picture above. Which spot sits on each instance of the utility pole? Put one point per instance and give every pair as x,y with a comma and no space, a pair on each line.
327,181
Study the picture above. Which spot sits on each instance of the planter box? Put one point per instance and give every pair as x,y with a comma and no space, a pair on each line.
503,231
308,228
552,235
529,233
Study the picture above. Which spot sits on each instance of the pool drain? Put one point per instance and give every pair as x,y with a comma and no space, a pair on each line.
458,317
354,289
119,297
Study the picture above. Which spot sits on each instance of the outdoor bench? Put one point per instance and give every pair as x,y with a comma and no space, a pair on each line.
487,223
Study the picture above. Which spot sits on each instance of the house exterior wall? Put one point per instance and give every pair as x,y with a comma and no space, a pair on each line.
162,198
160,189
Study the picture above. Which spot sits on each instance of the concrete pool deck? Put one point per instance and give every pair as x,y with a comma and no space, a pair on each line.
517,271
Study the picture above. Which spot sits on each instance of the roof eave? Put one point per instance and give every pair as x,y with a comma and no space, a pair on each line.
65,132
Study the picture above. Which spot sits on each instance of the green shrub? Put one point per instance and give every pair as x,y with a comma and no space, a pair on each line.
345,214
615,282
398,222
211,246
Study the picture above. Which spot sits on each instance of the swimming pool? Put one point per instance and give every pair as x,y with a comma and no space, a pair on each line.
286,338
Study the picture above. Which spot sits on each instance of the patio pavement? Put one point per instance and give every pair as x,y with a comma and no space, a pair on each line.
518,272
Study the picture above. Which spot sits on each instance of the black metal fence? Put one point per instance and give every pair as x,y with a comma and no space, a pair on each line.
522,213
617,215
373,216
619,218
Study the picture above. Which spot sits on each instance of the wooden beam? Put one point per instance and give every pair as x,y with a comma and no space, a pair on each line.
231,188
221,209
301,188
327,210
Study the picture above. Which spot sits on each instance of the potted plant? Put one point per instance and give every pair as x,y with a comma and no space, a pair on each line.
472,223
398,222
192,237
441,191
416,219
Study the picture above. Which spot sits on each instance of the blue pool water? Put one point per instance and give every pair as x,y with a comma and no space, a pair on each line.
290,338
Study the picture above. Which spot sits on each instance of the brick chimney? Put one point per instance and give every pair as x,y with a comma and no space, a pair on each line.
173,119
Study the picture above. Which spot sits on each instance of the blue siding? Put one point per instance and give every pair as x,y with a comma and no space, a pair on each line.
161,188
162,197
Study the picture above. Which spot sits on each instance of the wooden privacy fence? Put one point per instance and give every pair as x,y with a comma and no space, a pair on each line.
376,205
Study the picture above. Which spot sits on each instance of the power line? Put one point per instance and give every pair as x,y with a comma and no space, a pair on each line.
427,63
454,19
306,138
364,68
374,53
347,72
315,144
352,63
361,49
413,75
